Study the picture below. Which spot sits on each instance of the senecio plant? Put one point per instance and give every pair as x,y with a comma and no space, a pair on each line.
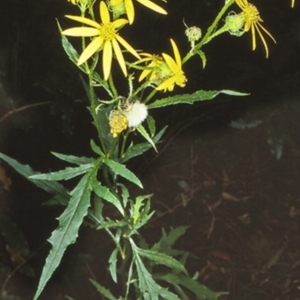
103,178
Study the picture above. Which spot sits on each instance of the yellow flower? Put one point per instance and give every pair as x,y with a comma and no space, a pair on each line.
106,39
252,21
128,8
117,122
152,69
171,71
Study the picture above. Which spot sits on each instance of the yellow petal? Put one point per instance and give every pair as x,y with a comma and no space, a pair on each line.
170,62
253,37
153,6
104,13
93,47
106,59
144,74
84,21
263,40
129,10
119,23
119,56
81,31
176,54
127,46
167,85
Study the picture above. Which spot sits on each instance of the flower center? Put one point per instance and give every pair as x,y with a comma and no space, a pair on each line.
107,31
251,13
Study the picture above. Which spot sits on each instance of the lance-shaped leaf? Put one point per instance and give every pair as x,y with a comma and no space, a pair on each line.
121,170
77,160
26,171
191,98
67,231
65,174
104,193
140,128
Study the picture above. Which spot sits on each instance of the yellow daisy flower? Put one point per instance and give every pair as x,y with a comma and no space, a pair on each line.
252,21
171,71
128,8
106,38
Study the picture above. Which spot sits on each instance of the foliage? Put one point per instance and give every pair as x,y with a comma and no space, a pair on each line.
104,178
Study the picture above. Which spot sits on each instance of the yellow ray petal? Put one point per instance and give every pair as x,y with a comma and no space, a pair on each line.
119,23
153,6
176,53
92,48
127,46
129,10
253,37
119,56
167,85
106,59
170,62
263,40
84,21
81,31
104,13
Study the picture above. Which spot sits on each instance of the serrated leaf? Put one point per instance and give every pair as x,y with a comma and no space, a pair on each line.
121,170
200,290
140,128
104,193
163,259
51,187
191,98
67,230
78,160
102,290
65,174
148,287
112,224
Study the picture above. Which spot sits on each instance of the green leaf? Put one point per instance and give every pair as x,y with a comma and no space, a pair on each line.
139,149
148,287
96,148
113,265
67,231
203,57
151,125
74,159
103,291
163,259
26,171
104,193
200,290
121,170
65,174
140,128
112,224
191,98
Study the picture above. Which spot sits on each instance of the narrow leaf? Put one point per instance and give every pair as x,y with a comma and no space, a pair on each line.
113,265
65,174
96,148
78,160
121,170
140,128
102,290
191,98
104,193
26,171
67,231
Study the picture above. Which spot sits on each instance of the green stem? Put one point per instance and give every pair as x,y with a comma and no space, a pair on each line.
207,36
112,86
149,97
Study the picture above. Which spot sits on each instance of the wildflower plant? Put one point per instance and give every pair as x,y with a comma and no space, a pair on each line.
102,178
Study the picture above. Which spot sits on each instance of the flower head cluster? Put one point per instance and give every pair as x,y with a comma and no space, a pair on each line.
106,39
253,21
120,7
164,71
130,114
235,23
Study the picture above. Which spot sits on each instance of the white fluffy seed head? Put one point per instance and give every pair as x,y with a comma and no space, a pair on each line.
136,113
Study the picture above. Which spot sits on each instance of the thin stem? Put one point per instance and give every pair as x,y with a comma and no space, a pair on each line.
149,97
112,86
207,36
